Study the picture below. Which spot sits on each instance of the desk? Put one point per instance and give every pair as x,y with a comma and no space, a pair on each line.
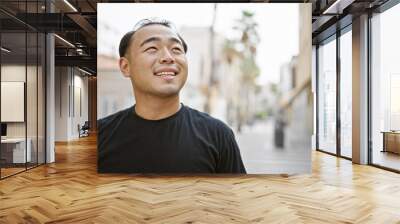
13,150
391,141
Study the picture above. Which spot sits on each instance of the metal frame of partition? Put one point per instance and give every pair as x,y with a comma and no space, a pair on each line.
369,77
0,91
317,97
43,54
338,97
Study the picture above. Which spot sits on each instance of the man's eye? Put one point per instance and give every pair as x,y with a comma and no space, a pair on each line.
151,49
177,50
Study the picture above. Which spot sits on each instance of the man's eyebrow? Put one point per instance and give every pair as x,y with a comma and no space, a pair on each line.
176,40
151,39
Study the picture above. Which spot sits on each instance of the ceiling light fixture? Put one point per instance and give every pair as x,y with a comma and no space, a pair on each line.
84,71
5,50
337,7
70,5
79,51
65,41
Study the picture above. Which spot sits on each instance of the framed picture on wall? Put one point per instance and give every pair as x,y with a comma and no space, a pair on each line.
12,101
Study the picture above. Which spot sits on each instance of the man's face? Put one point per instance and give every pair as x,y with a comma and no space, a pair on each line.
156,62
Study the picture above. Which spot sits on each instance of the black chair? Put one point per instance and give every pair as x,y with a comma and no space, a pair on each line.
84,130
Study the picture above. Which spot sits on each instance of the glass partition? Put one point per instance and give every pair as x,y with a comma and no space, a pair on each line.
31,100
327,96
13,95
22,90
346,94
385,88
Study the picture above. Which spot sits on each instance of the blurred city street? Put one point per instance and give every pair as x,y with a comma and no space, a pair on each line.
236,76
260,156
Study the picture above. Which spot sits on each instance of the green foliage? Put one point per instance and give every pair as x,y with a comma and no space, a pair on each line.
249,41
261,115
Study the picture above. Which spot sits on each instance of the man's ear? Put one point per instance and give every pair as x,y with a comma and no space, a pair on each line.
124,67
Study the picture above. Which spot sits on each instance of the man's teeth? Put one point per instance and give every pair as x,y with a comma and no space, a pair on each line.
165,73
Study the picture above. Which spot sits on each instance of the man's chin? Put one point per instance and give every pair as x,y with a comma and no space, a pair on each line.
167,92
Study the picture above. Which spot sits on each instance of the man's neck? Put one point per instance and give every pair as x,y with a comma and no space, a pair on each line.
157,109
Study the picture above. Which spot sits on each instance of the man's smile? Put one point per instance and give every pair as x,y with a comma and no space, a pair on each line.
167,73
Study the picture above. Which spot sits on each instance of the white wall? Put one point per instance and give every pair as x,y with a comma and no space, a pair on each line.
80,108
71,94
17,73
61,103
13,94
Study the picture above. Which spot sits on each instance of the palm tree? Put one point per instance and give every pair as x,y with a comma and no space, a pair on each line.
230,52
248,42
212,80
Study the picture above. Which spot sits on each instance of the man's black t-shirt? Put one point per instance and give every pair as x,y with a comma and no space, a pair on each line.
187,142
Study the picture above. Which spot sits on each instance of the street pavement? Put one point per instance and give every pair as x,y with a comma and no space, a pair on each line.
260,156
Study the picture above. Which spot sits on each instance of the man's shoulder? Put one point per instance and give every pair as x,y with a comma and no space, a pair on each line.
208,120
113,119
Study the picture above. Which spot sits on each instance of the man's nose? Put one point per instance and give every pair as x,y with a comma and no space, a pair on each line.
166,56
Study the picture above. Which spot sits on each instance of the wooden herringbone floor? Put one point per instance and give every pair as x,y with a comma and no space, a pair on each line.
70,191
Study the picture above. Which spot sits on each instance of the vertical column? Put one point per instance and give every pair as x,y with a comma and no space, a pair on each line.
360,90
314,94
62,103
50,92
338,96
92,99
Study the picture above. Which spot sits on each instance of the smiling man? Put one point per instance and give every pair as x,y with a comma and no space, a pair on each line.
159,134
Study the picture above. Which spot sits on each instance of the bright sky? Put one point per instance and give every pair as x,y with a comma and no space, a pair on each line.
278,26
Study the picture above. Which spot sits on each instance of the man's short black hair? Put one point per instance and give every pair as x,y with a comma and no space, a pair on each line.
126,39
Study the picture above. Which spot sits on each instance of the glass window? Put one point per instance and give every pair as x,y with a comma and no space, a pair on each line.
346,94
327,96
385,84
